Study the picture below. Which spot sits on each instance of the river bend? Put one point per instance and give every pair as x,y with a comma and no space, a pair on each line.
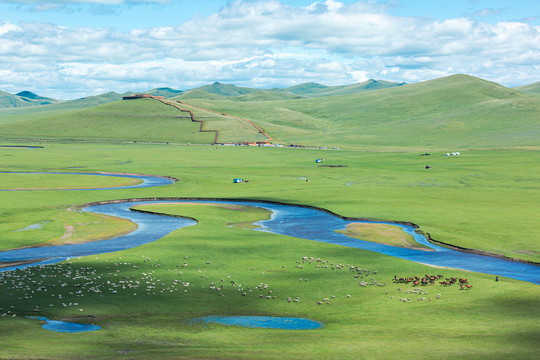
295,221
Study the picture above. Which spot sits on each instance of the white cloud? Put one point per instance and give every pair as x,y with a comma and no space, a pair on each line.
7,27
266,43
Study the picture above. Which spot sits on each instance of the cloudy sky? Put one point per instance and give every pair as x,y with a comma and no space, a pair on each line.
73,48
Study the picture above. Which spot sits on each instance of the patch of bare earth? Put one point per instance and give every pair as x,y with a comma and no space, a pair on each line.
383,234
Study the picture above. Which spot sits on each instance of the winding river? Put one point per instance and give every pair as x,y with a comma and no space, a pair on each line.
290,220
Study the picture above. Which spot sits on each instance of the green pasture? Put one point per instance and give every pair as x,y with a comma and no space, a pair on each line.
484,200
448,114
125,120
454,113
148,294
61,181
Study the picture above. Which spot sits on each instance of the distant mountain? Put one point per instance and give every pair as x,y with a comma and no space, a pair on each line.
530,89
164,91
82,103
268,95
199,94
91,101
225,89
318,90
456,112
307,89
210,92
24,98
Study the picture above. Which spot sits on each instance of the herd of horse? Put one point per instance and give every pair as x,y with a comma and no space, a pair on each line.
431,279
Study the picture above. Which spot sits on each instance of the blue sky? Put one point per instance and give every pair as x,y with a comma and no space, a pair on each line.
69,49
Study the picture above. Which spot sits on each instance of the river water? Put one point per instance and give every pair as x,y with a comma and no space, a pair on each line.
296,221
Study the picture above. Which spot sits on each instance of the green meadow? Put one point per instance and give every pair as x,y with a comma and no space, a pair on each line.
144,298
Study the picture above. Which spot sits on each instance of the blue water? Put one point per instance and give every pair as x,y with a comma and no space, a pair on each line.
287,220
267,322
64,326
148,181
150,228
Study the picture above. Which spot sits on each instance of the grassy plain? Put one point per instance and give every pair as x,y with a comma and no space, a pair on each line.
482,199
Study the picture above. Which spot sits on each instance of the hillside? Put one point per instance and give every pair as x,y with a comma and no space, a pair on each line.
11,115
267,95
455,112
166,92
225,89
307,89
318,90
199,94
530,89
133,120
23,99
458,111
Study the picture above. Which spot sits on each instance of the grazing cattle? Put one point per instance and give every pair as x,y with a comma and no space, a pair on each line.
463,281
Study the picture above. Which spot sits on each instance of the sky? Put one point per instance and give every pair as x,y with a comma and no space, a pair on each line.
69,49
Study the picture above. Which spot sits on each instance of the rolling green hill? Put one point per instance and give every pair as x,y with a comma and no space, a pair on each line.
267,95
451,113
164,91
35,99
23,99
307,89
133,120
199,94
225,89
259,95
317,90
530,89
12,115
458,111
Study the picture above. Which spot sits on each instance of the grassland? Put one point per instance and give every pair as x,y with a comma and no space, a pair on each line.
453,113
32,181
487,199
147,120
458,112
176,276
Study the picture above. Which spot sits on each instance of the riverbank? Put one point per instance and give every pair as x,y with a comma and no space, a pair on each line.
415,226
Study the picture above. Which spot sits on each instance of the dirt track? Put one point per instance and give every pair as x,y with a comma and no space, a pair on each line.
178,103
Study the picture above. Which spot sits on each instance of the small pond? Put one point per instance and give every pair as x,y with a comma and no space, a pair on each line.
266,322
64,326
